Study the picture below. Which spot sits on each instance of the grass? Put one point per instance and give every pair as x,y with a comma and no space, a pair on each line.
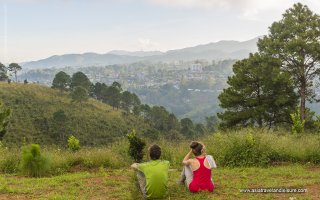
120,184
33,106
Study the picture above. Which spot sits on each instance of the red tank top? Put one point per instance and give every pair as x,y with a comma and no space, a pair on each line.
201,178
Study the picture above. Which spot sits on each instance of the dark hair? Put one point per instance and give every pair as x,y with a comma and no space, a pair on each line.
155,152
196,148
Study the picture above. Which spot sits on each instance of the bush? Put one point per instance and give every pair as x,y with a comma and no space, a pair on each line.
33,162
247,151
298,125
73,143
136,146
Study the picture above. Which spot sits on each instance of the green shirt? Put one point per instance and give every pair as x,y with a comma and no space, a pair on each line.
156,173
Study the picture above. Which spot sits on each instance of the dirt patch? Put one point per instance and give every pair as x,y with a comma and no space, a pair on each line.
14,197
314,191
313,169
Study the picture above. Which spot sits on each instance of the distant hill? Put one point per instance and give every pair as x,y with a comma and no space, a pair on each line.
136,53
33,106
214,51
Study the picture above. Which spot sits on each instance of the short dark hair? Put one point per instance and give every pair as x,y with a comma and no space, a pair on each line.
155,152
196,148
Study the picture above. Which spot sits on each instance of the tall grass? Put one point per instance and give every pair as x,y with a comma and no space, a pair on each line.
233,149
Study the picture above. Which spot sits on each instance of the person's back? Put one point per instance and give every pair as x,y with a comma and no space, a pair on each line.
156,174
153,175
196,173
201,178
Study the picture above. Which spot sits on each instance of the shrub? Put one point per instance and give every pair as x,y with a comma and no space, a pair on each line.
247,151
298,125
33,162
73,143
136,146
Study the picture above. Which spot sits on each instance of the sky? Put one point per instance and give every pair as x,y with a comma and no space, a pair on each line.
36,29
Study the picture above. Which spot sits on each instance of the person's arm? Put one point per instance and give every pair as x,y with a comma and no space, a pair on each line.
135,165
186,160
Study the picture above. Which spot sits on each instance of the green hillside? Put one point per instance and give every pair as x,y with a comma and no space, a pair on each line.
33,107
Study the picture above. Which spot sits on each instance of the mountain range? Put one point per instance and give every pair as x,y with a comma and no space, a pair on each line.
225,49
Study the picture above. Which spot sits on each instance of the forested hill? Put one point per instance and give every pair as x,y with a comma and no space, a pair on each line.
47,116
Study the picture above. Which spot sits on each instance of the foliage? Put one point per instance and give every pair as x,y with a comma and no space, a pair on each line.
60,120
33,162
297,124
247,152
61,81
187,127
79,79
294,40
4,119
79,95
136,146
3,72
259,94
14,68
32,117
73,143
211,123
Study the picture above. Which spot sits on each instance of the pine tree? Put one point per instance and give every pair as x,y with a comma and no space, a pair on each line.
295,41
259,94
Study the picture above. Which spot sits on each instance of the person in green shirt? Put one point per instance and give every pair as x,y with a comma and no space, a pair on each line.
153,175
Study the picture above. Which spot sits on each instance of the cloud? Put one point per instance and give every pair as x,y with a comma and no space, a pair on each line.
248,9
147,45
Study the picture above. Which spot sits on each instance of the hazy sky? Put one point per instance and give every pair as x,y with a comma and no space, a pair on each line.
35,29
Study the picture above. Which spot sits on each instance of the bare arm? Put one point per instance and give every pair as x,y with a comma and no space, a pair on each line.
186,160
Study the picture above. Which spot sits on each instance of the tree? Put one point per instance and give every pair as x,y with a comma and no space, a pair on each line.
187,127
126,101
3,72
200,129
80,95
99,89
136,146
211,122
295,41
61,81
258,94
14,68
60,120
113,96
80,79
117,85
4,120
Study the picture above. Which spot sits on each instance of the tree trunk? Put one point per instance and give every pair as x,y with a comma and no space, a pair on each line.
303,103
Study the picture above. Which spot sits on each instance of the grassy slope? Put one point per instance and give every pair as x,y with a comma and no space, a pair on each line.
33,107
120,184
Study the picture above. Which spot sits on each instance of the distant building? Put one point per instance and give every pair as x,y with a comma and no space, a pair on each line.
196,67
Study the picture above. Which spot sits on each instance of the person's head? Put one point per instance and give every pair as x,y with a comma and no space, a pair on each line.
154,152
198,148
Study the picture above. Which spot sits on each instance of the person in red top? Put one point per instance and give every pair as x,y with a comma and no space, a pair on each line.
197,171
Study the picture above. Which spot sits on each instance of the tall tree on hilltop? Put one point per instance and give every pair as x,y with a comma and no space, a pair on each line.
14,68
3,72
258,94
295,41
79,79
61,81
